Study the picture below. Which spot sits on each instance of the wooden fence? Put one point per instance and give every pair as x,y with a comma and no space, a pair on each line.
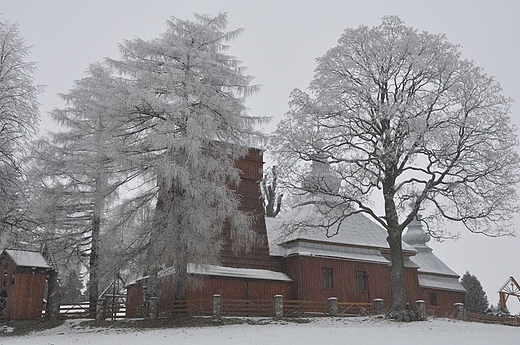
75,310
484,318
442,311
230,307
193,307
257,308
305,308
243,307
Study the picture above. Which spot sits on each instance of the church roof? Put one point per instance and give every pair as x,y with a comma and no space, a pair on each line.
247,273
433,272
430,263
222,271
442,283
425,259
308,222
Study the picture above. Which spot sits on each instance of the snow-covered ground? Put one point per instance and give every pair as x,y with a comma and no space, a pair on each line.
319,331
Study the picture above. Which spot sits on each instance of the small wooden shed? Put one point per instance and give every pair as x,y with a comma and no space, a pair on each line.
22,284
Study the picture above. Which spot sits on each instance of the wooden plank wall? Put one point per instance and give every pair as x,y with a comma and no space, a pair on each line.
444,298
249,191
27,300
253,289
228,288
307,273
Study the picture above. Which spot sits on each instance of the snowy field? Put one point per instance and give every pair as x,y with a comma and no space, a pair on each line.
319,331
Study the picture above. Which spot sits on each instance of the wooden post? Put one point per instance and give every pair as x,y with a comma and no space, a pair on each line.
333,307
378,306
421,310
460,311
217,305
101,309
278,305
153,308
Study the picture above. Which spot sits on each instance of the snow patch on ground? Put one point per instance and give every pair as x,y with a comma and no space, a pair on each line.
319,331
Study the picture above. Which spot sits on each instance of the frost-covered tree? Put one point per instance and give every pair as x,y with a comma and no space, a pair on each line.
18,122
271,195
406,124
76,177
182,123
475,299
70,288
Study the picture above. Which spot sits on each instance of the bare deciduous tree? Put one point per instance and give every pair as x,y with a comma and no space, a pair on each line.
271,195
18,122
399,115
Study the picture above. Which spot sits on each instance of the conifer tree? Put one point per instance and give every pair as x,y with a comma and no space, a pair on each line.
182,122
70,288
475,299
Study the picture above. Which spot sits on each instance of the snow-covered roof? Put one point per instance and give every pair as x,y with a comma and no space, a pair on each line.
430,263
440,282
425,259
433,272
247,273
27,258
308,222
221,271
306,248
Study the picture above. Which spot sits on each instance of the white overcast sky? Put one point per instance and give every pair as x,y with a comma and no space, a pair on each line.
279,47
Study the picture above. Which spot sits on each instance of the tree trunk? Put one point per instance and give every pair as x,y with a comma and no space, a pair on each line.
53,296
181,280
159,223
93,287
397,283
164,217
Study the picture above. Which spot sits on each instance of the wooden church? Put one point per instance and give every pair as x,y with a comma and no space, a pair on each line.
303,263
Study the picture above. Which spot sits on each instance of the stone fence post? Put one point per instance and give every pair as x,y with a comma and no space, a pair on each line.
460,311
278,305
378,306
421,310
217,305
153,308
333,307
101,309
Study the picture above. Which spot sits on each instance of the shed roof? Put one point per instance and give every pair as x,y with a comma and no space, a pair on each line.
25,258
